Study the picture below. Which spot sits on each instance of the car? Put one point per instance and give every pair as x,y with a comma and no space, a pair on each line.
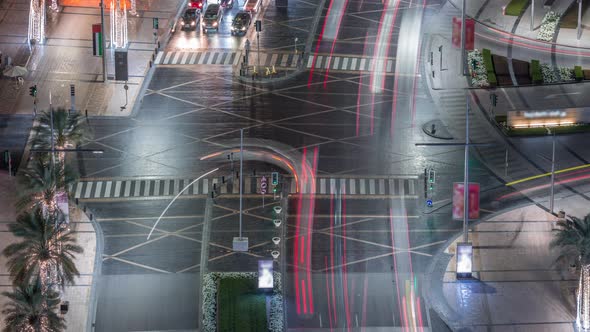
212,18
227,3
198,4
240,24
190,19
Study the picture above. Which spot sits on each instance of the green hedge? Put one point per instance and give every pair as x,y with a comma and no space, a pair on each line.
240,306
539,131
536,74
578,73
489,64
516,7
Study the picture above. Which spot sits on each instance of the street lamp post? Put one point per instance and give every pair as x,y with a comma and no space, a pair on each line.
466,174
579,32
532,15
552,199
463,61
103,42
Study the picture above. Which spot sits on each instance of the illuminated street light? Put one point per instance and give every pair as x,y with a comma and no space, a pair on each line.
119,24
37,21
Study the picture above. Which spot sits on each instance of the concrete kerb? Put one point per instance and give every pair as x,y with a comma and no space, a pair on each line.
150,71
204,256
283,257
300,69
92,307
434,278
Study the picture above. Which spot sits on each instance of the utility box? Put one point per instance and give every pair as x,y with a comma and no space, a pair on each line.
121,65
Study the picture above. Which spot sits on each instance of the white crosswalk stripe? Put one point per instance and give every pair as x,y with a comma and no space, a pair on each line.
280,60
137,188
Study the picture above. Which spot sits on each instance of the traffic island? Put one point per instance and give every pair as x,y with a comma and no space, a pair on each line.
436,129
234,301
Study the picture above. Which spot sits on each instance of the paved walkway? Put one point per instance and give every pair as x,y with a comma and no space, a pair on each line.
66,58
516,286
79,295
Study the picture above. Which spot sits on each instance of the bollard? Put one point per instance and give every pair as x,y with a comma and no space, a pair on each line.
150,64
158,44
76,201
222,179
84,209
91,217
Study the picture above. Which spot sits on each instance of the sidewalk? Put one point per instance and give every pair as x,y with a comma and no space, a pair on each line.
66,58
78,295
516,287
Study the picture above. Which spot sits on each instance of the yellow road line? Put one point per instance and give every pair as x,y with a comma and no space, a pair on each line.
547,174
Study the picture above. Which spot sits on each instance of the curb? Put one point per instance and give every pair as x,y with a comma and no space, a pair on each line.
433,293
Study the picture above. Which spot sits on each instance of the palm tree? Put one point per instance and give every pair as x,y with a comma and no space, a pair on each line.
573,240
42,182
45,251
69,130
29,310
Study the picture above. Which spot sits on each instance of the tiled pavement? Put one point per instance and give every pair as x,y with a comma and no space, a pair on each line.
122,188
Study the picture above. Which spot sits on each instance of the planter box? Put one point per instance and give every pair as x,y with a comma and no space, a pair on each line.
578,73
586,73
516,7
536,75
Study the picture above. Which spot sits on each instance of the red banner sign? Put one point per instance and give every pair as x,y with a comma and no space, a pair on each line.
469,33
458,200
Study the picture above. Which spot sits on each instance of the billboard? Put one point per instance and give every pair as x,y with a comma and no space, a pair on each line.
458,200
464,260
265,278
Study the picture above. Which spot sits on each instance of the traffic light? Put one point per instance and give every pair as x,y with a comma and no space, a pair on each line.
6,156
431,176
494,99
33,91
275,178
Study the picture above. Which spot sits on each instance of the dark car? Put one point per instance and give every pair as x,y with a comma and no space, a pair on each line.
190,19
240,24
212,18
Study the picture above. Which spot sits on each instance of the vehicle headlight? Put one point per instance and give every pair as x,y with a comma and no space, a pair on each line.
214,24
193,23
243,28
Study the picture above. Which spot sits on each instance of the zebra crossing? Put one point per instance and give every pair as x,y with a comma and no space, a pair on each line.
117,189
279,60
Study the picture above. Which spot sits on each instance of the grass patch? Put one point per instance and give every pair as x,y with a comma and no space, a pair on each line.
536,75
516,7
540,131
489,64
578,73
241,307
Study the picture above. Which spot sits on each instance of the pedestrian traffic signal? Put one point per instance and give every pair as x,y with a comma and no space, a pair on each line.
33,91
275,178
494,99
431,176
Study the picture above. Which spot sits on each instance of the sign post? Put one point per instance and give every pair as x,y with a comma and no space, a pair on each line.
263,187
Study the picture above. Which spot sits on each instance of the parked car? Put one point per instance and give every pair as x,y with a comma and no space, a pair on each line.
190,19
212,18
251,6
240,24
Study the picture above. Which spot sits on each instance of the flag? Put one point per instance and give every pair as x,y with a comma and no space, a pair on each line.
97,40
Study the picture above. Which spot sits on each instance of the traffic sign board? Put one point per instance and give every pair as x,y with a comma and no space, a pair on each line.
263,185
